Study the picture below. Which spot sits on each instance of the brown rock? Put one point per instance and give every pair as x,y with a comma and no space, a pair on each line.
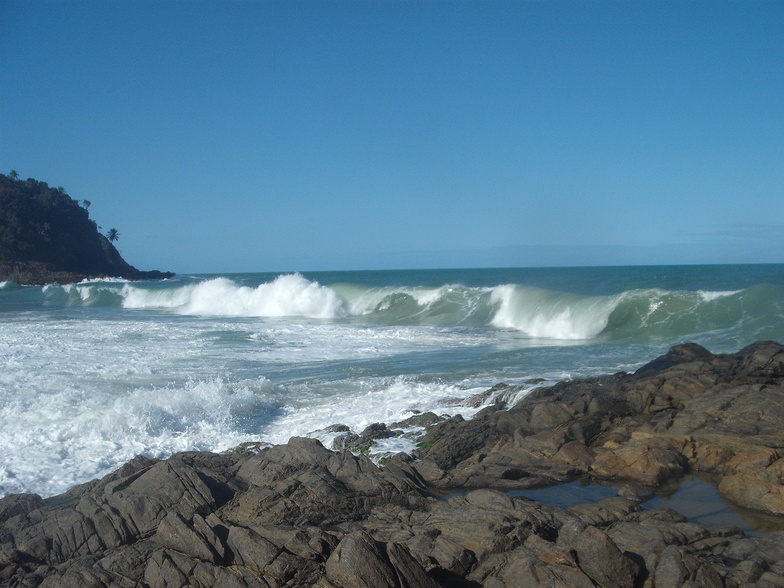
359,563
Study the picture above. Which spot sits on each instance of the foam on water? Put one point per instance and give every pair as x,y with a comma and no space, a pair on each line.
361,402
80,433
81,397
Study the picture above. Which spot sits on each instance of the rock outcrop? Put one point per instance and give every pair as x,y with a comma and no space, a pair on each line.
301,515
688,410
46,237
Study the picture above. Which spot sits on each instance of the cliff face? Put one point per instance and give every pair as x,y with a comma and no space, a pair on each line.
46,236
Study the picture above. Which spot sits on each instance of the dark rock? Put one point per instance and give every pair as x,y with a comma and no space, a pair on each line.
687,410
598,556
425,419
195,539
18,504
365,440
676,568
361,562
678,354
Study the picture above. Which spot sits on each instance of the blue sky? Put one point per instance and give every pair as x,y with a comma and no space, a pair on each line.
282,136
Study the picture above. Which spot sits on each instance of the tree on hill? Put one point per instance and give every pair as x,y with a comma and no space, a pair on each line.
112,235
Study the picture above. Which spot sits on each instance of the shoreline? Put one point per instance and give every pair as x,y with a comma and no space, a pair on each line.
41,274
299,514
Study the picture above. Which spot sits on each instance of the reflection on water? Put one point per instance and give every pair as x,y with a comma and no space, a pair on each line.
700,502
571,494
696,498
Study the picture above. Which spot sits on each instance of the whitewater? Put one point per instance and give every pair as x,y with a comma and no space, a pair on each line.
98,372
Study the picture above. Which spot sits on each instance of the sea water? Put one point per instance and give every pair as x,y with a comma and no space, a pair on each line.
95,373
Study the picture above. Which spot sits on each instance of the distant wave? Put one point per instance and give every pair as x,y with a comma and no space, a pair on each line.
534,312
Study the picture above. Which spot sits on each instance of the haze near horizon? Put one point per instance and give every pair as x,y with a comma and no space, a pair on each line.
299,136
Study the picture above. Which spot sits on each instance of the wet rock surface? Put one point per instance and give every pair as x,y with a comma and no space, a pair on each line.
301,515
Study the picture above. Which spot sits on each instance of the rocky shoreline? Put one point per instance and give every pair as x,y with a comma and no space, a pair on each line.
40,274
302,515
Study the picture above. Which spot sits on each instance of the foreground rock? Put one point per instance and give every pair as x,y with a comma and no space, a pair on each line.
688,410
301,515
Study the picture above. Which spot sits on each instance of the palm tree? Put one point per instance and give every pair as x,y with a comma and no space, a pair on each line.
112,235
13,175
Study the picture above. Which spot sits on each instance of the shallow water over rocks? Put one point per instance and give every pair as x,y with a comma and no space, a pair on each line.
696,498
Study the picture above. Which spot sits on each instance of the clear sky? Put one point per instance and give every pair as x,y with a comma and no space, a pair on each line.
309,135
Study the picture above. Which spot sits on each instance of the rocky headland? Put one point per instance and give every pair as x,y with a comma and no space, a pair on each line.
300,514
47,237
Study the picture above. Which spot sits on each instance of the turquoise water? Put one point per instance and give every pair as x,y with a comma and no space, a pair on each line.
98,372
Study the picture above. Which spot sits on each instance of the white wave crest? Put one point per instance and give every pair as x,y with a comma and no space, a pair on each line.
708,296
287,295
104,281
551,315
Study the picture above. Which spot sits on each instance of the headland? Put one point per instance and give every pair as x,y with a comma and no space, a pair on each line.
47,237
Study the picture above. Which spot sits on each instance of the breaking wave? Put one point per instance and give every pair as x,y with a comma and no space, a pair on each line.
287,296
534,312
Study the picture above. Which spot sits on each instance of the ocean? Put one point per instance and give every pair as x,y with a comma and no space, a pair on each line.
98,372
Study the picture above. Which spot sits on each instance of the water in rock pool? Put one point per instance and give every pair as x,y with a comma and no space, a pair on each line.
696,498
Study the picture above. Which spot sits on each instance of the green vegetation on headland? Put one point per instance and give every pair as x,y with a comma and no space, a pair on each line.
46,236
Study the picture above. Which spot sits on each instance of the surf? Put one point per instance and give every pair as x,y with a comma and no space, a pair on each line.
288,295
536,313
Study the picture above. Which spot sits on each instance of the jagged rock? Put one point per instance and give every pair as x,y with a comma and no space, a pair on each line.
195,539
648,459
361,562
303,483
598,556
425,419
365,440
687,410
676,568
18,504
